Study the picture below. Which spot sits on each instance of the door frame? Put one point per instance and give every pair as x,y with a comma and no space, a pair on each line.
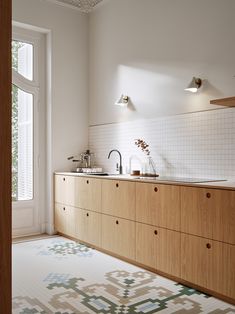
33,209
5,157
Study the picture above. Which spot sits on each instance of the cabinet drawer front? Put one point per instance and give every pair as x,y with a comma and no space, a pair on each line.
223,215
88,193
158,248
60,218
196,259
145,245
222,274
209,213
65,192
208,263
65,219
92,227
195,211
158,204
168,251
59,191
118,236
79,224
118,198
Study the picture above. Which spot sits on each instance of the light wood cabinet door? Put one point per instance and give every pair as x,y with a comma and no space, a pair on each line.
222,269
223,215
88,193
158,248
158,204
65,190
118,198
146,252
209,213
118,236
92,227
196,211
196,258
209,264
88,226
168,251
65,219
79,224
60,218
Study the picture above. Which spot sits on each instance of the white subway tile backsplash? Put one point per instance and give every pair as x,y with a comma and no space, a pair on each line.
199,144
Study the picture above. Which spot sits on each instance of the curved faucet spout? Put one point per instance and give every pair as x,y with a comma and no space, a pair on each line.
119,166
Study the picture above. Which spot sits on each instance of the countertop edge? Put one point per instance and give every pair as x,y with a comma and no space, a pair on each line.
226,185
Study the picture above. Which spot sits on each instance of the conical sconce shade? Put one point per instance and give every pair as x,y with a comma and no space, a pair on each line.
122,101
194,85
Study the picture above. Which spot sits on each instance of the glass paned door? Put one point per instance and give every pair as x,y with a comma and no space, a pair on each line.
22,144
26,111
22,58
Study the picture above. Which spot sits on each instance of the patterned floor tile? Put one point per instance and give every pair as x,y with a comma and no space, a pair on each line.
60,276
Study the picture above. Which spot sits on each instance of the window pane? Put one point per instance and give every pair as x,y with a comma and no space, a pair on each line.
22,58
22,144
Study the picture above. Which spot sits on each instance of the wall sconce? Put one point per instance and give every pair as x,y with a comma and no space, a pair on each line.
194,85
122,101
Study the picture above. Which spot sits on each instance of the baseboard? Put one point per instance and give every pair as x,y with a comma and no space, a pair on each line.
32,238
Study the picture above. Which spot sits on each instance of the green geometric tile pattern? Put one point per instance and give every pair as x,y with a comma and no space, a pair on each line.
86,281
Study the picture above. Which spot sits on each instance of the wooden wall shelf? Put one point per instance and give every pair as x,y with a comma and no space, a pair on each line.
229,102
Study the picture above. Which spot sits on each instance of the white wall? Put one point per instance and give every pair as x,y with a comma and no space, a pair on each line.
69,89
150,49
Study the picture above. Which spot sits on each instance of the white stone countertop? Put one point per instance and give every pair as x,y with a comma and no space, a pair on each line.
226,184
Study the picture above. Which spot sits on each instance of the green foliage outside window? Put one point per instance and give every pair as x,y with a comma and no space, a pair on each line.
15,47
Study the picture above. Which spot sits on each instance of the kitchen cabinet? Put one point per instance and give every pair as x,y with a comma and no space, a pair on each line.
65,217
118,236
209,213
183,231
209,264
65,190
196,258
158,248
158,204
222,279
88,226
91,228
78,192
118,198
89,193
78,223
146,254
223,216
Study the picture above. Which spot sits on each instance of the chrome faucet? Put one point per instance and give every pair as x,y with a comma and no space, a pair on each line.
118,166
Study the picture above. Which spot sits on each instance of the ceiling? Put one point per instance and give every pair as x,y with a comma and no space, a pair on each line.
83,5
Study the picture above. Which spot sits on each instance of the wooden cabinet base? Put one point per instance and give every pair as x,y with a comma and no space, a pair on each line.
160,273
162,251
123,236
208,263
185,233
